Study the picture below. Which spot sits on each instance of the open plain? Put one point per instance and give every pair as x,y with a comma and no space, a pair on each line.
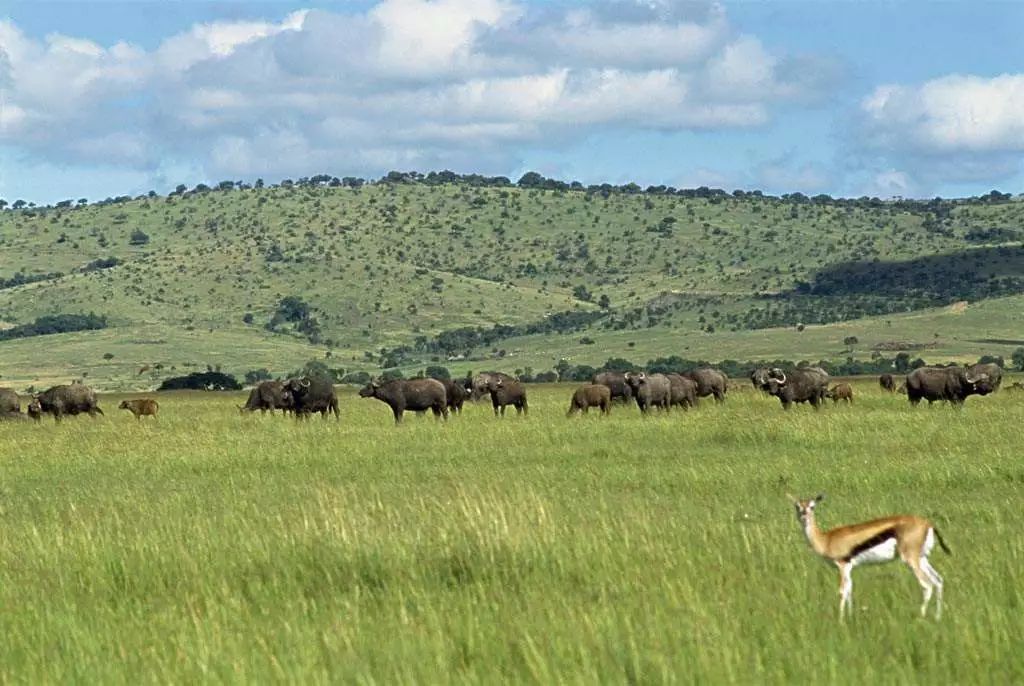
209,546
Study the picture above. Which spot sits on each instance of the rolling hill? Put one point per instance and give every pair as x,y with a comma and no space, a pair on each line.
411,271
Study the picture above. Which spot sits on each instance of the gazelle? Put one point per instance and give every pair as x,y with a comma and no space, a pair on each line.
874,542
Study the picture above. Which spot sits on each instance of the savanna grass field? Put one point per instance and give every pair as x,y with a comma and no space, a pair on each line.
206,546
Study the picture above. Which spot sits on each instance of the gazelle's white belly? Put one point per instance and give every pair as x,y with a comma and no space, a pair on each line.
883,552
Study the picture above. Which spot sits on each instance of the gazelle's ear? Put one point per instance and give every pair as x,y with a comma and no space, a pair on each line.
818,498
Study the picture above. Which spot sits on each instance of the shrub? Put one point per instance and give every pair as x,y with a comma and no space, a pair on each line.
201,381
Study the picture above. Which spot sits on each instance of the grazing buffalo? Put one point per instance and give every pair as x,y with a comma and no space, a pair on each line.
68,400
9,402
455,393
506,392
417,395
650,390
268,395
682,391
591,395
140,407
948,384
887,382
841,391
479,385
806,385
312,394
616,383
994,373
709,382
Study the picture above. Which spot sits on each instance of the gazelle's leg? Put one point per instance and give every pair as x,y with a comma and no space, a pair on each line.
936,580
845,587
924,580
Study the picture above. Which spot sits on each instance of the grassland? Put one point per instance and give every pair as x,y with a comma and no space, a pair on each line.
387,265
209,547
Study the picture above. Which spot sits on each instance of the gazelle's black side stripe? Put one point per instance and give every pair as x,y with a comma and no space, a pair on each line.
880,537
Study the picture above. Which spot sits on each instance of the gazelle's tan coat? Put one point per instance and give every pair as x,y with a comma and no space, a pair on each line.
909,537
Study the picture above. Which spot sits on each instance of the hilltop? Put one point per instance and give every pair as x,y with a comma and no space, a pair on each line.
469,272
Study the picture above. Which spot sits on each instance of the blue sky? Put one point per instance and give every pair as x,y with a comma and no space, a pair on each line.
848,98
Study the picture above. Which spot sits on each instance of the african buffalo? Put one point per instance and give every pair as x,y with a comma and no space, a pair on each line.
682,391
455,393
616,383
479,385
9,401
650,390
312,394
994,373
948,384
759,377
887,383
591,395
805,385
841,391
416,395
140,407
268,395
68,400
506,392
709,382
35,409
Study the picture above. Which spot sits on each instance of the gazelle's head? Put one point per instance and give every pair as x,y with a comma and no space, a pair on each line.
805,508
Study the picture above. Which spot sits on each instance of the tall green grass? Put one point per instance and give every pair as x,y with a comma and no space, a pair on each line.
207,546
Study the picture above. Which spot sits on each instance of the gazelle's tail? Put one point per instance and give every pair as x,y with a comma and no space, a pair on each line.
942,544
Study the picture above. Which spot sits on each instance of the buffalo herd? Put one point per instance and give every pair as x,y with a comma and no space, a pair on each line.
307,395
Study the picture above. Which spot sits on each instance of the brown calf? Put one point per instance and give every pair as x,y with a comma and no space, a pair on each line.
140,406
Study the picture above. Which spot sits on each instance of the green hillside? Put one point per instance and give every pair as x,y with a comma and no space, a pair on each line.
373,274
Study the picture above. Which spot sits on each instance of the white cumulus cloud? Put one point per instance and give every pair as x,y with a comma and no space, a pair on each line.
957,128
418,83
951,114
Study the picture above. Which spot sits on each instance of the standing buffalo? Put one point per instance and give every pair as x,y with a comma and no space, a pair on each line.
841,391
887,382
140,407
994,373
948,384
709,382
68,400
416,395
591,395
455,393
312,394
9,403
616,383
682,391
759,377
650,390
806,385
479,385
506,392
268,395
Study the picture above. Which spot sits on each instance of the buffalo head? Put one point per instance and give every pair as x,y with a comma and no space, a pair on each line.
370,390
